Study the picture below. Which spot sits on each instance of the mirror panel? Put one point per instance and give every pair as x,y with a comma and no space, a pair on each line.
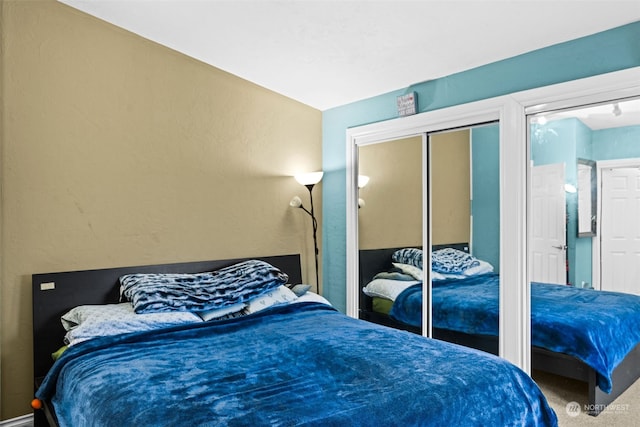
390,217
465,224
392,212
587,197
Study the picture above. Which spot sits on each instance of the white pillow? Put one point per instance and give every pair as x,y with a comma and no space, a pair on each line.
312,297
386,288
217,313
411,270
91,321
483,268
279,295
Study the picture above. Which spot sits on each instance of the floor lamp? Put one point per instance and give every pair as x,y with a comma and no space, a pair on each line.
309,180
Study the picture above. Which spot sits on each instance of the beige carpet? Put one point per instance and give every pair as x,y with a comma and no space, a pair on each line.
562,393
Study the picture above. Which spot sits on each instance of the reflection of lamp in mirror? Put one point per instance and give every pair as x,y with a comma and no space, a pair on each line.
309,180
616,110
363,180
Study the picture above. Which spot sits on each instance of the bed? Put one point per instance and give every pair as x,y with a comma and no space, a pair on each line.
298,362
595,340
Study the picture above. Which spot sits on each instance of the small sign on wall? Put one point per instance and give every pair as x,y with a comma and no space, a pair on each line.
407,104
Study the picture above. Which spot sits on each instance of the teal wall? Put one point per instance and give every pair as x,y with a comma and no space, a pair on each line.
609,51
485,190
616,143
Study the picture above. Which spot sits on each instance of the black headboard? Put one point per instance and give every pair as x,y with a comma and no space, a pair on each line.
373,261
56,293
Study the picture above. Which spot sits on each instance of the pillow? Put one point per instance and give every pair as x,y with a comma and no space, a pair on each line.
221,313
411,270
483,267
300,290
385,288
280,295
155,293
452,261
411,256
56,354
312,297
91,321
393,275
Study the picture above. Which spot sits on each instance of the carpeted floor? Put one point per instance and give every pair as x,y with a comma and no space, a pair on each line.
563,393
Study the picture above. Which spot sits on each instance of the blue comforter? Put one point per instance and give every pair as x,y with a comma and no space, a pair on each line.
600,328
302,364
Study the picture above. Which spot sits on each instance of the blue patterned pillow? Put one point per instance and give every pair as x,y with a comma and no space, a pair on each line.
452,261
153,293
411,256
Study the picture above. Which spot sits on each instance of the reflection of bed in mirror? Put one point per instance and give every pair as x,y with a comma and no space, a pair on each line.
588,335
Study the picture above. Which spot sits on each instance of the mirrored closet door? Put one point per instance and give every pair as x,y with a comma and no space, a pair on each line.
584,234
464,171
462,213
390,218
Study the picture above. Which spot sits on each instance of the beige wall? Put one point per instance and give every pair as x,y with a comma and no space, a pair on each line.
451,187
392,216
117,151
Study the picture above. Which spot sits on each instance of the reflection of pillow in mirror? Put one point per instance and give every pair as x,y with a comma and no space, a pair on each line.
483,267
452,261
393,275
385,288
411,256
418,274
411,270
438,276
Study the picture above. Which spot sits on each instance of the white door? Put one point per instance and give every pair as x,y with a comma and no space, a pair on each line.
620,230
548,229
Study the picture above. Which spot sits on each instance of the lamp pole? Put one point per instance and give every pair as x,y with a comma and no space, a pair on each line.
315,230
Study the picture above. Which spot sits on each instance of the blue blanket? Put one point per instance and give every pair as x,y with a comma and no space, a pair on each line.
599,328
302,364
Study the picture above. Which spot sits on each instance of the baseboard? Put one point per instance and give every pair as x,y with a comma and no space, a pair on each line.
23,421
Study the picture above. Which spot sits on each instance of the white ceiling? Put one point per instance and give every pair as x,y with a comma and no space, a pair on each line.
330,53
602,116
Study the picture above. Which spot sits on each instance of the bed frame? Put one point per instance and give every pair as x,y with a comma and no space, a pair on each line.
56,293
373,261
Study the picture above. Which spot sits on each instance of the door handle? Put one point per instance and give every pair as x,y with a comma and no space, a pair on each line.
562,248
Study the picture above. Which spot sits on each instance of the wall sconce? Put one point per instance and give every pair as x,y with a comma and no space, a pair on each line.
309,180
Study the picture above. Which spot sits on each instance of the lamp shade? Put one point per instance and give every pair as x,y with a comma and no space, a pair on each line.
362,180
310,178
296,202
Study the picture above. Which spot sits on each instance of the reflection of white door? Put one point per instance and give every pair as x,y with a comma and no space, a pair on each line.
548,228
620,230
